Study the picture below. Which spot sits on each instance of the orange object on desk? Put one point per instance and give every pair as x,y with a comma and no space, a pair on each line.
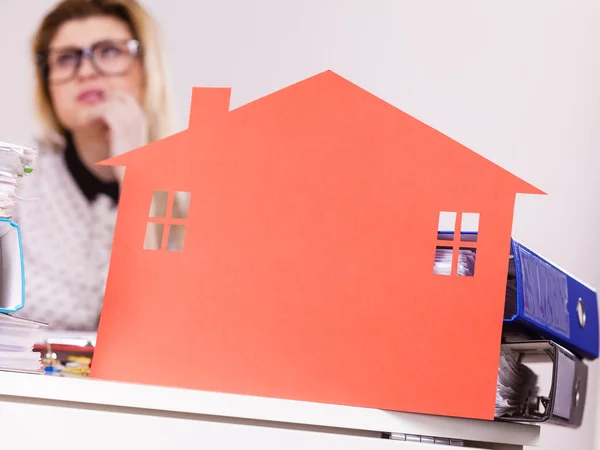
307,266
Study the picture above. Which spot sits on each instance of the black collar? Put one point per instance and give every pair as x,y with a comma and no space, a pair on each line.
90,185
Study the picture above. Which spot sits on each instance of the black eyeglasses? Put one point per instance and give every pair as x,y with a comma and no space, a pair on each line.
108,57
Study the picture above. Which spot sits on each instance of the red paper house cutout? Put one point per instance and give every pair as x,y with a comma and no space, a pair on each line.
307,266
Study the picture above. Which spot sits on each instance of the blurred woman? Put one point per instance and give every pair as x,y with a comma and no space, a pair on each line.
101,91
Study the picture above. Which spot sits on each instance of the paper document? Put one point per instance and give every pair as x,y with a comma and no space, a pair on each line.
17,338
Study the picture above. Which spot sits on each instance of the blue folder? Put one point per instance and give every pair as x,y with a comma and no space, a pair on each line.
547,301
12,273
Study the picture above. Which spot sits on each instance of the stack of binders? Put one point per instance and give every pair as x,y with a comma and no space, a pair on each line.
550,328
17,335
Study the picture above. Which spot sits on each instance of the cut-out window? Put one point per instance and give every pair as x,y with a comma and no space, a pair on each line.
447,222
158,207
469,227
443,260
167,219
181,205
154,234
457,240
176,238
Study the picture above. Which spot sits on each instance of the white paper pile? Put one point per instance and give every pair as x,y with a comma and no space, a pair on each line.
517,385
15,163
17,338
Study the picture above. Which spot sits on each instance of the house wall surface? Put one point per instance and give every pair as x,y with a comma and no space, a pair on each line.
269,229
516,81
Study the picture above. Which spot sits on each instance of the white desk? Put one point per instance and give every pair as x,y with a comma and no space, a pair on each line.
39,411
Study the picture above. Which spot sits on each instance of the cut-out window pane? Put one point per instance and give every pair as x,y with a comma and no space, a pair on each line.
181,205
469,227
466,262
443,260
158,208
176,238
154,235
446,224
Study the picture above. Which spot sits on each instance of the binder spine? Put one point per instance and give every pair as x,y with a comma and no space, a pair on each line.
554,304
543,290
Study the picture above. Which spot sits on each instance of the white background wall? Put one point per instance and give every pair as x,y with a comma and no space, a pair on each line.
517,81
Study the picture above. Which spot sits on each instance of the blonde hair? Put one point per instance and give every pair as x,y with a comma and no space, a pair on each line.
157,97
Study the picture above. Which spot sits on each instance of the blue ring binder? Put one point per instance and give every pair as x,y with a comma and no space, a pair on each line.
8,270
547,300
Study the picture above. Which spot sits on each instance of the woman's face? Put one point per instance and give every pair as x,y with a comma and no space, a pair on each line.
73,96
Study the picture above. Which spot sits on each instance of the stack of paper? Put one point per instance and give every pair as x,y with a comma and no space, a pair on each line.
15,162
517,385
17,338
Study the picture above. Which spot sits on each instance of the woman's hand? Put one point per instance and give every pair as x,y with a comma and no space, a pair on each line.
125,122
